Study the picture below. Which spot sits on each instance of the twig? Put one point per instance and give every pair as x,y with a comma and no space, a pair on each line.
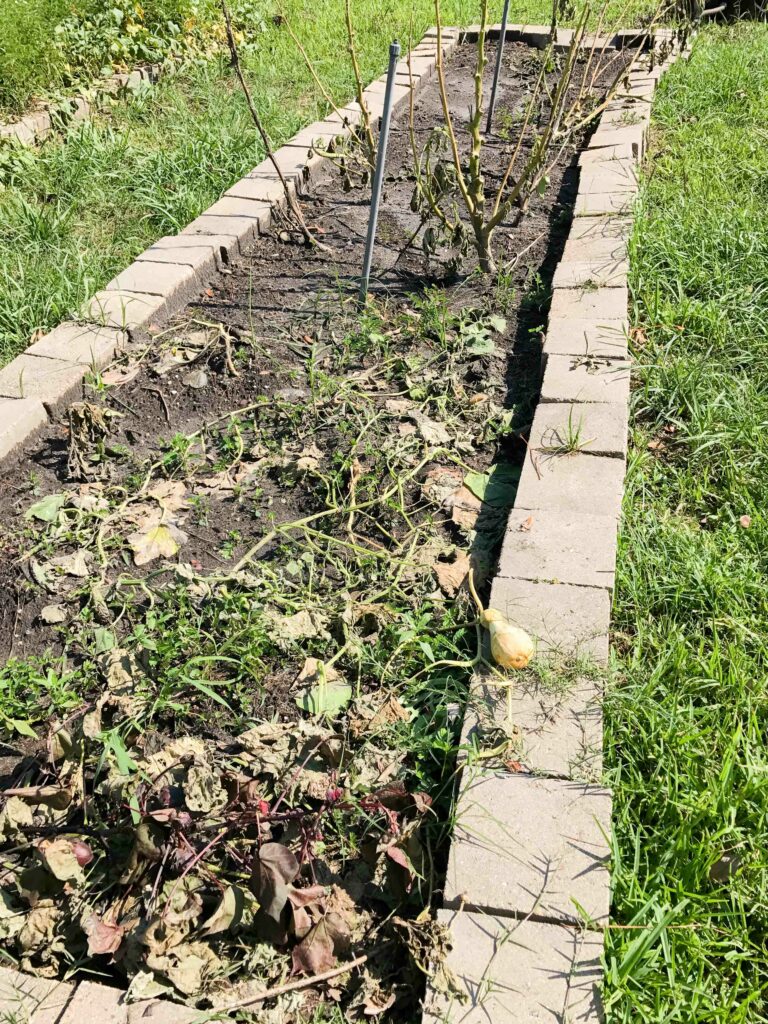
161,396
315,979
307,235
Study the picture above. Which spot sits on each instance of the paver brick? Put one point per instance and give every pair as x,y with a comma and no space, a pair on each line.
170,280
602,153
599,428
568,621
19,417
571,483
518,972
530,846
632,135
52,381
606,272
239,206
123,309
558,730
585,379
29,1000
553,547
92,1002
244,229
80,343
598,204
594,249
611,176
616,229
188,249
262,186
586,336
585,303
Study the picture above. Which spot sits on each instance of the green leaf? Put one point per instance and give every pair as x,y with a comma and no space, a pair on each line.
105,639
125,763
482,345
47,509
207,690
325,698
23,728
497,487
497,323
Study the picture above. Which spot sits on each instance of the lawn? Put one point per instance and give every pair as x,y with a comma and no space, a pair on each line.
76,211
686,723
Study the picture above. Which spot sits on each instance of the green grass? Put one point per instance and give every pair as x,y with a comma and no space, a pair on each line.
75,212
686,726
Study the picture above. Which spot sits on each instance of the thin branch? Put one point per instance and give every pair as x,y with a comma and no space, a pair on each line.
292,204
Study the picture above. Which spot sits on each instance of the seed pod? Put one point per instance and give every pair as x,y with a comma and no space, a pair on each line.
511,647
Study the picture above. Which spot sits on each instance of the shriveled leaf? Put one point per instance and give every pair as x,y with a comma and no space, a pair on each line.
497,323
274,869
53,613
75,563
47,509
431,430
314,954
103,936
162,540
61,859
451,575
228,913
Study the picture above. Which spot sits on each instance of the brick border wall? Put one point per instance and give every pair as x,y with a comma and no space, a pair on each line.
555,574
527,892
39,124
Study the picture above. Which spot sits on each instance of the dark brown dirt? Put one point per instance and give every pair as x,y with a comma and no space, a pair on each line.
286,297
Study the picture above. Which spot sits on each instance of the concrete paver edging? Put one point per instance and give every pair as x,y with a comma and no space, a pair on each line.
37,125
530,854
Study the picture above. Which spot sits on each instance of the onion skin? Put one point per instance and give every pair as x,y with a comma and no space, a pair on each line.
511,647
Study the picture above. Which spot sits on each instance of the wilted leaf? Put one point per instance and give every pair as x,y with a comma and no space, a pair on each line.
161,540
451,575
228,913
274,869
441,483
73,564
53,613
497,323
60,857
314,954
103,936
326,698
47,509
432,431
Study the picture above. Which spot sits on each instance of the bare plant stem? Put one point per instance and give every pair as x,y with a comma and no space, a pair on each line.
364,111
293,206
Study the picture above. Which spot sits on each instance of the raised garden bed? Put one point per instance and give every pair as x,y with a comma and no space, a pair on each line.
233,610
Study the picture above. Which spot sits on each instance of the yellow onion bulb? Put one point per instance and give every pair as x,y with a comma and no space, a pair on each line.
511,647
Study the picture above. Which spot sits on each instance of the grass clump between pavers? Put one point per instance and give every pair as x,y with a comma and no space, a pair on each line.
686,726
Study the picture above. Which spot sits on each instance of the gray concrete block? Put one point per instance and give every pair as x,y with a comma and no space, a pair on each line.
93,1002
589,303
19,417
170,280
80,343
568,621
611,176
222,248
123,309
594,249
239,206
587,336
585,379
200,258
244,229
601,229
613,135
530,846
29,1000
557,728
518,972
552,547
605,272
51,381
262,186
604,152
599,204
598,428
571,483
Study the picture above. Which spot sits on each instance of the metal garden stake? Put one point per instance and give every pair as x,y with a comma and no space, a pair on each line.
378,177
497,69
